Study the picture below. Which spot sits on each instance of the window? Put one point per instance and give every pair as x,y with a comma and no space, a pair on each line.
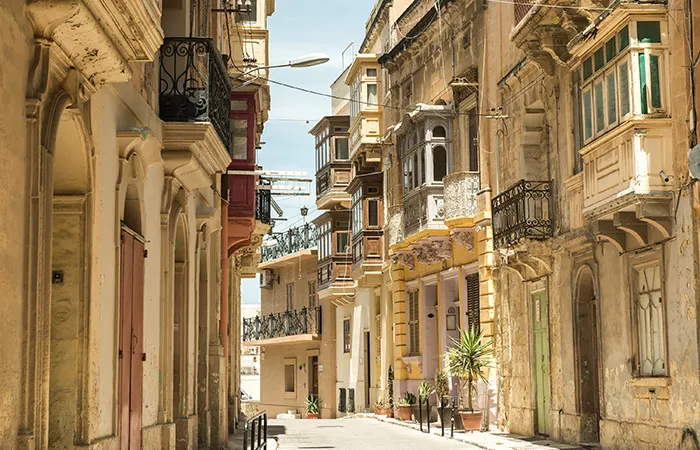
606,91
473,140
373,213
649,314
324,241
416,180
439,132
346,336
289,385
342,241
439,163
357,211
290,296
240,138
473,304
341,148
413,323
248,16
312,294
372,73
372,95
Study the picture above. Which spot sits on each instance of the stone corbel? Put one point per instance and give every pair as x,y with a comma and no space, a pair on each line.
605,230
628,222
658,215
139,141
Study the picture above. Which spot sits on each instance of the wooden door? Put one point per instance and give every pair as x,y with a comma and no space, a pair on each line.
542,373
314,376
130,341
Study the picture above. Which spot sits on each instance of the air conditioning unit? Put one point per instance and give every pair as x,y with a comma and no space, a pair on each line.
267,277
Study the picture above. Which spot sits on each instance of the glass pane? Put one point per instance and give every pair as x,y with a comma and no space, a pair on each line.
371,72
643,83
341,148
623,38
587,115
342,243
599,107
612,98
649,32
373,213
610,50
654,80
439,163
240,139
599,58
372,94
624,78
587,68
239,105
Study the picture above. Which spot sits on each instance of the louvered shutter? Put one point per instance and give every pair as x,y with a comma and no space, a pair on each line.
473,301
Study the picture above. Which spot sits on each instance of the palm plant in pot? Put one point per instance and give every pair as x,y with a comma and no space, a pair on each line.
312,407
382,408
442,389
425,390
405,406
467,360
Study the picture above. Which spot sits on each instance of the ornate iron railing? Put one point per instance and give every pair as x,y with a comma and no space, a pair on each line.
194,84
523,211
263,198
290,241
287,323
522,8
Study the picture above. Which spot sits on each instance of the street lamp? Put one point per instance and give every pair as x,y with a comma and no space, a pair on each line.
313,59
304,212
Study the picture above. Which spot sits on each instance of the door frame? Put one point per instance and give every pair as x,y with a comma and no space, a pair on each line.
538,287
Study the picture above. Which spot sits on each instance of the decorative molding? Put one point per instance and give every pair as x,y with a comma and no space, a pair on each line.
464,237
406,259
433,251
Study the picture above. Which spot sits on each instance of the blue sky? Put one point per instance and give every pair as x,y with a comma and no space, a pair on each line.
297,28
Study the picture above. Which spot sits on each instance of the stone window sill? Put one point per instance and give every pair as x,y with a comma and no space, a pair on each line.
650,381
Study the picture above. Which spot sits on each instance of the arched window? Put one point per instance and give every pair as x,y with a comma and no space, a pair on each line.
422,167
439,132
439,163
416,183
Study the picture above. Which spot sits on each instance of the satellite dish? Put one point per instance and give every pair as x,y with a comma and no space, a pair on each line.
694,162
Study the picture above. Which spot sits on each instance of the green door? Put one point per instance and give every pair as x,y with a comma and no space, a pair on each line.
541,334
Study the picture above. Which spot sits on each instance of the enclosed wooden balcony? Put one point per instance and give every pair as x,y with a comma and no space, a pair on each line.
331,183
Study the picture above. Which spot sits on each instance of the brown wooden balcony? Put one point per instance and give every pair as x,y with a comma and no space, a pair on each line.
331,182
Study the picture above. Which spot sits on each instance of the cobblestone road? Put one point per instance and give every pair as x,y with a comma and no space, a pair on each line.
354,434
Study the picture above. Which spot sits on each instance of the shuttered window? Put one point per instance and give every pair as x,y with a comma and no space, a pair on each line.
473,301
413,324
290,296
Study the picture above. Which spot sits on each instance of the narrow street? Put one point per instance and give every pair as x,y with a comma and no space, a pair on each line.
355,434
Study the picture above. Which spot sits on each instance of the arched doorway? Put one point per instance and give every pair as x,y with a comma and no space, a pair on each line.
131,355
586,313
70,238
181,390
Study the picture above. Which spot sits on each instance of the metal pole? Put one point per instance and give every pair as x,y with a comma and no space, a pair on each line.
442,416
420,412
452,418
427,411
245,436
265,429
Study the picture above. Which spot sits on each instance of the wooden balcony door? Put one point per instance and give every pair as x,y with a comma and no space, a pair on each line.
130,341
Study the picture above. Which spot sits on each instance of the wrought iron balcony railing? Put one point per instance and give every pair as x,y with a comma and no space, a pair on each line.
194,84
290,241
288,323
523,211
263,198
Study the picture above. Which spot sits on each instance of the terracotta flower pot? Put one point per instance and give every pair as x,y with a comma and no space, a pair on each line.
312,415
383,412
471,420
404,413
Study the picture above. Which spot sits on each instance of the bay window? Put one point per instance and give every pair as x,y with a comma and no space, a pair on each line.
324,241
623,77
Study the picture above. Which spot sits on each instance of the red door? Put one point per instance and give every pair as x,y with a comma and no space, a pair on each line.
130,341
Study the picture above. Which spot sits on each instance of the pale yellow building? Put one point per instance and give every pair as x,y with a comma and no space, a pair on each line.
114,313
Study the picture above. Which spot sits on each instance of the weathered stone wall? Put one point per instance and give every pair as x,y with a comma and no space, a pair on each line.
14,54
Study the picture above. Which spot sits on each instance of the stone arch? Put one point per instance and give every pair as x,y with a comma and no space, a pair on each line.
69,201
585,310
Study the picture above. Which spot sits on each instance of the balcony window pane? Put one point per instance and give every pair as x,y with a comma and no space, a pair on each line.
643,83
587,68
248,16
649,32
372,95
623,38
422,166
342,242
240,139
610,50
439,132
439,163
655,83
372,73
612,98
239,105
624,78
599,58
415,164
341,148
599,107
373,213
587,114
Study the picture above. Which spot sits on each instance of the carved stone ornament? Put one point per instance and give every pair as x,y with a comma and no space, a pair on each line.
464,237
432,252
406,259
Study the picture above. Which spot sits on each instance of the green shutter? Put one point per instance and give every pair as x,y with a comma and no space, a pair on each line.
587,68
623,38
643,83
612,98
599,58
610,50
587,115
599,107
473,304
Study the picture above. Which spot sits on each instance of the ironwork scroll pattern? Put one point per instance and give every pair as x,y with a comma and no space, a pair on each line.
287,323
290,241
523,212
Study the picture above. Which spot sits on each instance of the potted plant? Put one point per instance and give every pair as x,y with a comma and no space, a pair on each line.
425,390
405,406
442,389
312,407
382,408
467,360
